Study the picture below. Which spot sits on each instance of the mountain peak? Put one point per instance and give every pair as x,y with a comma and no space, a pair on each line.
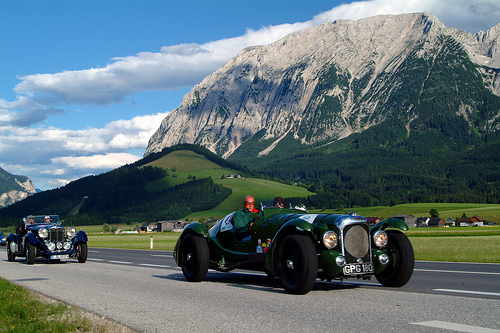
325,83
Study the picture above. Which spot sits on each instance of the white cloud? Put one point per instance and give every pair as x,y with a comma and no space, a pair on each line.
184,65
97,162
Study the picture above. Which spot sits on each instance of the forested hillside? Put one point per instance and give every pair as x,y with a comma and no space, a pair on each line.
119,196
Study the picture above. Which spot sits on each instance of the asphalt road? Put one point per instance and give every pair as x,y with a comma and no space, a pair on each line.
146,291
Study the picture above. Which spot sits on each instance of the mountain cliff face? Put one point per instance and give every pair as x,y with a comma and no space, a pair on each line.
14,188
327,82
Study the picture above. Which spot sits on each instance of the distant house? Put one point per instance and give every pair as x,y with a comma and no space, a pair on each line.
472,221
176,226
408,219
464,222
450,222
435,222
148,227
476,220
422,222
372,220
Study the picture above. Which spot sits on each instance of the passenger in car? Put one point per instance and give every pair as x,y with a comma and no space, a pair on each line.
279,202
243,220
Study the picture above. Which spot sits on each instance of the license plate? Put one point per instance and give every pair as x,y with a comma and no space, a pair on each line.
60,256
356,269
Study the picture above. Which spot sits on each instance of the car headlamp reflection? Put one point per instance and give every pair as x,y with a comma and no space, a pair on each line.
71,232
380,238
43,233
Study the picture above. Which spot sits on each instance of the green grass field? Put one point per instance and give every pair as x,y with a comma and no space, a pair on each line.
488,212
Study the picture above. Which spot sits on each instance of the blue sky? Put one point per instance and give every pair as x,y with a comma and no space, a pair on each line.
85,83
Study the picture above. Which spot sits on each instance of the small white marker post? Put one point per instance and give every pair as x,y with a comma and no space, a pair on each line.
151,242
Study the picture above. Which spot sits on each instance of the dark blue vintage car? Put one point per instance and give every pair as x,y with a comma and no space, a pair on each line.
45,237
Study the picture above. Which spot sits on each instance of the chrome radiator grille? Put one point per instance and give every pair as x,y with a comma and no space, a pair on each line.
56,234
356,242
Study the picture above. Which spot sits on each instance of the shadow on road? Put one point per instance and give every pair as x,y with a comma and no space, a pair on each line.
256,282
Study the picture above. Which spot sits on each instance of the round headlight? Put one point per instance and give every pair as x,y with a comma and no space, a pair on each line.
71,232
330,239
51,246
66,245
42,232
380,238
384,259
340,260
59,245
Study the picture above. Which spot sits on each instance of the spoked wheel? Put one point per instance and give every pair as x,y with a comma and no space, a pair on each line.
30,254
297,264
194,257
10,255
401,261
82,250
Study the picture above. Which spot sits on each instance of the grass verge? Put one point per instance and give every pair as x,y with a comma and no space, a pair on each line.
22,310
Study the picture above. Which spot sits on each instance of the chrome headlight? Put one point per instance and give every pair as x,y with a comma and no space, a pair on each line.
51,246
66,245
44,233
59,245
330,239
71,232
380,238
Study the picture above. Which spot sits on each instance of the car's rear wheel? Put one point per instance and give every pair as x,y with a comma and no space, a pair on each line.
10,255
82,250
401,261
194,257
297,264
30,254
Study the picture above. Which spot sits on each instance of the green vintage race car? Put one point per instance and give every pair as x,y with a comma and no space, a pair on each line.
299,247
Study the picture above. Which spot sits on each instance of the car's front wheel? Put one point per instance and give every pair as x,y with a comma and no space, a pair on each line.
82,250
30,254
297,264
194,257
10,255
401,261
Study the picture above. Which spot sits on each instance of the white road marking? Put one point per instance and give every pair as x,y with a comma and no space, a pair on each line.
469,292
160,255
121,262
153,265
95,259
461,272
456,327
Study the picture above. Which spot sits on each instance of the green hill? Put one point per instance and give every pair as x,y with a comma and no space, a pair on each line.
178,182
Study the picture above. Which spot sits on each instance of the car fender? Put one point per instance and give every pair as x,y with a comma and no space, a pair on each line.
390,222
80,237
31,238
298,225
12,238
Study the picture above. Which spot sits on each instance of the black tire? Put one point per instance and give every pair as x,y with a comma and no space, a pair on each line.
401,261
30,254
297,264
82,250
10,255
194,257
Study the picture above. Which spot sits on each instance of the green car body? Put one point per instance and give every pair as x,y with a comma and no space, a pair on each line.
299,247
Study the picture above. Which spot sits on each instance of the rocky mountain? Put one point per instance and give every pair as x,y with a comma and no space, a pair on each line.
325,83
14,188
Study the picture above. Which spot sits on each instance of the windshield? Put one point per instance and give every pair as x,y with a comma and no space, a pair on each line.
43,219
